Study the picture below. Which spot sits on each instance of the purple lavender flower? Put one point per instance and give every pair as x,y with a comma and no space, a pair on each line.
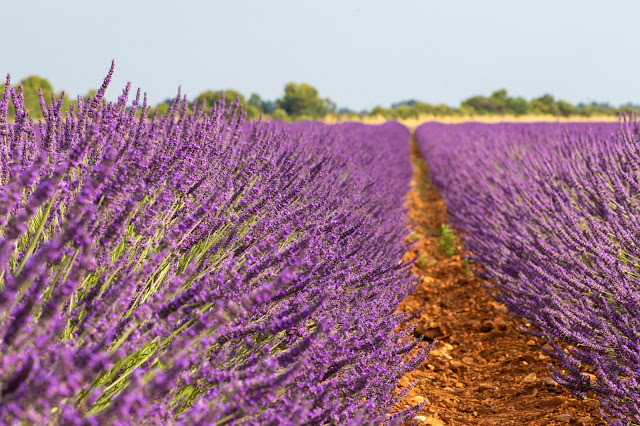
199,268
551,213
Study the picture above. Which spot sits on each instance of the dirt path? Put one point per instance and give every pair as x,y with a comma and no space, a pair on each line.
483,370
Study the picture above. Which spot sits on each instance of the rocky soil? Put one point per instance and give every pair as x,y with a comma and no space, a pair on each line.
483,369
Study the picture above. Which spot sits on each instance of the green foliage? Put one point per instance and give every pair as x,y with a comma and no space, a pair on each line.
91,93
414,110
548,105
446,241
31,86
301,101
438,110
422,262
566,109
331,106
279,114
231,96
595,108
31,89
499,103
161,108
545,105
69,101
263,106
256,101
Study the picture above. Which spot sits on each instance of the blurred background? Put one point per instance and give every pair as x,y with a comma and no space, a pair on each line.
334,60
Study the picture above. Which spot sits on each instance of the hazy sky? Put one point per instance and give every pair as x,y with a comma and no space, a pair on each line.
360,53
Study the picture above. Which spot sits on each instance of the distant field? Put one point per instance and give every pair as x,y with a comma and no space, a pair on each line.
412,123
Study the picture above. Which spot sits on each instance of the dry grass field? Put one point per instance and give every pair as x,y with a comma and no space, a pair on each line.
414,122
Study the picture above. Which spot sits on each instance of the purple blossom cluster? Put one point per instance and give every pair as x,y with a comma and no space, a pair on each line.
199,269
551,214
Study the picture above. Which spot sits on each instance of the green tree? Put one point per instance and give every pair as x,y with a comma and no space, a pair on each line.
268,107
404,112
382,112
256,101
31,86
498,103
331,106
441,110
161,108
301,101
545,104
566,109
518,106
279,114
230,96
479,104
263,106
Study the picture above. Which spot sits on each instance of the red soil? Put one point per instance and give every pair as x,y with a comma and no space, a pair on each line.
483,370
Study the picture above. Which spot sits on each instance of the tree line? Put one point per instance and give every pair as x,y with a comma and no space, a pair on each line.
501,104
301,101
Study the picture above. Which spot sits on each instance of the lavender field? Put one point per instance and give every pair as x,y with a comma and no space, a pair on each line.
198,268
550,214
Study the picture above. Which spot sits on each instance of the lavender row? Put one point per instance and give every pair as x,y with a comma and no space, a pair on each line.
198,268
551,213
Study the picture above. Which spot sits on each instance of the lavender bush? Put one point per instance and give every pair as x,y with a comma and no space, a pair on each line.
198,268
552,214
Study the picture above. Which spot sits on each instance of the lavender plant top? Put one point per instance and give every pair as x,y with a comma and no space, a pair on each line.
198,269
552,214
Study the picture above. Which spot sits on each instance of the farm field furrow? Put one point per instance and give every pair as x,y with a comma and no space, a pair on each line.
549,213
199,268
483,369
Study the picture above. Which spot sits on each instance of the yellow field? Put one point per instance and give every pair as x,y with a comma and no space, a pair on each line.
412,123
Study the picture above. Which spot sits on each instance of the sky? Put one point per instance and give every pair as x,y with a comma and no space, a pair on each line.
359,53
